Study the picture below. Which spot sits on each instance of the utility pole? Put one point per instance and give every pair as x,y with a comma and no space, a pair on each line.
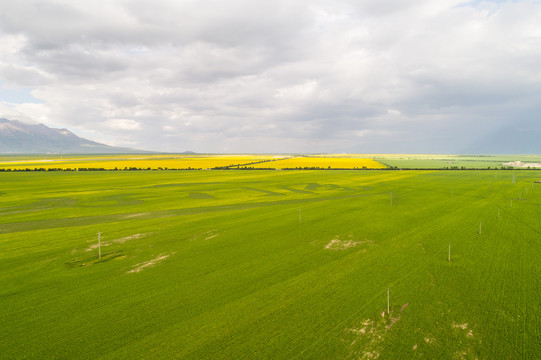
99,245
387,301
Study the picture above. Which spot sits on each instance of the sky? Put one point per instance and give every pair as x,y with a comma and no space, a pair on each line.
280,76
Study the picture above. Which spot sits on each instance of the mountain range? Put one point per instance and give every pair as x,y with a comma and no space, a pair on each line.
17,137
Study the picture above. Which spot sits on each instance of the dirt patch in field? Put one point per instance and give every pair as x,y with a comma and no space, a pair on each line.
135,215
395,319
211,234
131,237
207,235
520,164
115,241
95,246
141,266
460,326
466,345
350,242
366,341
467,332
337,244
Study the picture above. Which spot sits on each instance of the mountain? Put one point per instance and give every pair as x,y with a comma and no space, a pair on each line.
19,138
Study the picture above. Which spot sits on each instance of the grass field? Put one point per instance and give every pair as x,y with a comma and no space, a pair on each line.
270,265
417,161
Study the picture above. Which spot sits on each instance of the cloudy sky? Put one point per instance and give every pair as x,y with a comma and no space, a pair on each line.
359,76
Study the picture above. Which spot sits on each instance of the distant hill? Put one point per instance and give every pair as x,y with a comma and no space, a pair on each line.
19,138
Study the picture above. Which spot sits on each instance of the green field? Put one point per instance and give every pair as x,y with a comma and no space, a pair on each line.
453,161
270,265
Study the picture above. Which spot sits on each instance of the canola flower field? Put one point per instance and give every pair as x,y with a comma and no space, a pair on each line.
122,162
185,162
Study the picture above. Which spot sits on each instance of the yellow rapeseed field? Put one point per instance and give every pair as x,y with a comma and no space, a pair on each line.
136,161
122,162
322,163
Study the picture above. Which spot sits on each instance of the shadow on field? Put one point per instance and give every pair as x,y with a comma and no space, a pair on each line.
87,261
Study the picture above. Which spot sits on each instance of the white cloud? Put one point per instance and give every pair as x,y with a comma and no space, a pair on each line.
26,112
277,76
393,112
122,124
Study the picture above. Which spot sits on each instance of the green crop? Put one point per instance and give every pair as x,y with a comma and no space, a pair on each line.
270,265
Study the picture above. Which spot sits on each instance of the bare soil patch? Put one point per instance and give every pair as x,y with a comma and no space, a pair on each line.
135,215
338,244
141,266
131,237
520,164
207,235
368,338
461,326
115,241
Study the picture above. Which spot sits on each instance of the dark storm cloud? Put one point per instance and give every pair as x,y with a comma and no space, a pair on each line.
303,76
